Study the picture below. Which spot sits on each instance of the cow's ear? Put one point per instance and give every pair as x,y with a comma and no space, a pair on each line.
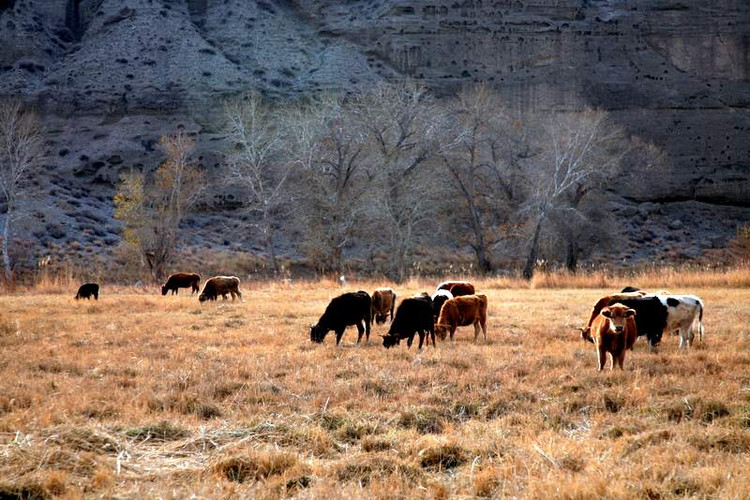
630,313
606,312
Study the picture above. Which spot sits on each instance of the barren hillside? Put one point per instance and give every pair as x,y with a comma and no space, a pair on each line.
111,76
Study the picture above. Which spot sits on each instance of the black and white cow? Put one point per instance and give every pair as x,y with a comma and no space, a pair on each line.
657,314
438,299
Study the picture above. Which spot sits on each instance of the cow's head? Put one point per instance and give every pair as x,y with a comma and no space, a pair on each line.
586,334
203,297
317,333
381,318
390,340
164,289
441,331
654,338
618,315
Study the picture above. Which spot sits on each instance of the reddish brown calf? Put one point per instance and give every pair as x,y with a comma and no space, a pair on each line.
614,332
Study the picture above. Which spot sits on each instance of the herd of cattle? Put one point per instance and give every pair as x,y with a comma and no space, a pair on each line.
616,320
454,304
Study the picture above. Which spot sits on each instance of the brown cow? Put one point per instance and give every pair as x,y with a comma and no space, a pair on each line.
614,332
463,311
457,288
220,285
604,302
383,303
181,280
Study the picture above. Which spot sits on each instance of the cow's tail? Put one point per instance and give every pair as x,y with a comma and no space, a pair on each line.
369,316
700,321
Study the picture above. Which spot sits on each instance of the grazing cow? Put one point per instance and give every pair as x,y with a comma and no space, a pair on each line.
87,290
438,299
456,288
383,303
656,314
683,312
414,315
181,280
463,311
352,308
220,285
614,331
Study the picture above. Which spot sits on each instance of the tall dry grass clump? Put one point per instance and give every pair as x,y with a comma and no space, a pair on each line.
650,278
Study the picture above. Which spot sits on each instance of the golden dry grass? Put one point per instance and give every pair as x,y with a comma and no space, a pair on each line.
139,395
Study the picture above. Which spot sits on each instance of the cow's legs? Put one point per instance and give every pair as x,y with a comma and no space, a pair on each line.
360,332
339,334
476,332
601,356
453,331
620,359
421,338
410,340
690,335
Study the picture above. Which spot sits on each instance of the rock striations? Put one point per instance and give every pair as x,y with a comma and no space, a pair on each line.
677,72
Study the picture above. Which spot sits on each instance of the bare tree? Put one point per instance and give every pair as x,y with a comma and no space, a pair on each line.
405,131
20,151
329,147
152,211
580,153
259,163
485,169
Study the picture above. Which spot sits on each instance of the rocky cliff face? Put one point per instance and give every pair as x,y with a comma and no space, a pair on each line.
675,72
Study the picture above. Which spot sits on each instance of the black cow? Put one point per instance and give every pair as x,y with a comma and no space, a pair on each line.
414,315
87,290
650,318
351,308
629,289
181,280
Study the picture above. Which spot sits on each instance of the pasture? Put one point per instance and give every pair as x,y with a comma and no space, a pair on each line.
142,396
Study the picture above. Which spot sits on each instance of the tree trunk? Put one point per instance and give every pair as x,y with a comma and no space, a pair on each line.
528,269
157,264
571,257
337,261
271,249
485,266
6,258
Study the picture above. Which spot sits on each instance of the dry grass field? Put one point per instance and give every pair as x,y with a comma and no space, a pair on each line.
142,396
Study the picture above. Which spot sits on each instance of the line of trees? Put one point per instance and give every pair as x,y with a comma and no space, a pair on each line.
383,175
391,171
